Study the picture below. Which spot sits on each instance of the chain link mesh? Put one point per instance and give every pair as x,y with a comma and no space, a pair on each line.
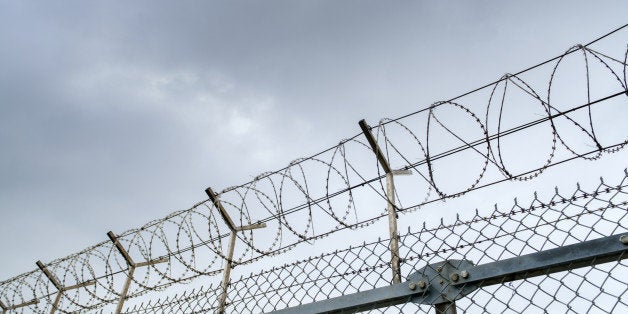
540,225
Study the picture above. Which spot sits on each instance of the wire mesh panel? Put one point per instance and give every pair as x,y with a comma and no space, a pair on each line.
188,302
541,225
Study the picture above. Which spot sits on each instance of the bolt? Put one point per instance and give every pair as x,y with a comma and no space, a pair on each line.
624,239
465,274
454,277
441,281
422,284
412,286
439,269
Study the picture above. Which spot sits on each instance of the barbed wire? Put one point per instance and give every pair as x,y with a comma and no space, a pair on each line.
560,220
319,195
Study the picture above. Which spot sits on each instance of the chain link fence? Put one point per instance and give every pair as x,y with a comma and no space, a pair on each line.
563,219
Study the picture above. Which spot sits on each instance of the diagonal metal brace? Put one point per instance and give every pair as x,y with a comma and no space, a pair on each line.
50,276
132,266
223,212
120,248
395,258
229,259
366,129
60,288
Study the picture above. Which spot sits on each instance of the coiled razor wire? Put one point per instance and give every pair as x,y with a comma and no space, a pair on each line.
562,219
316,196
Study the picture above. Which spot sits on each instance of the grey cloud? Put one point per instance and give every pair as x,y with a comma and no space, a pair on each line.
115,113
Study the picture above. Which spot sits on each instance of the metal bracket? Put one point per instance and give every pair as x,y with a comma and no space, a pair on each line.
132,266
395,258
440,279
366,129
226,279
60,288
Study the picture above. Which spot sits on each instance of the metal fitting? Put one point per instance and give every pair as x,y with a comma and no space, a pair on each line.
439,269
624,239
422,285
454,277
412,286
464,274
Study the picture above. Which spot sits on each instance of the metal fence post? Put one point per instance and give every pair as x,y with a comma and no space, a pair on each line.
229,260
60,288
445,308
390,196
131,266
226,274
392,226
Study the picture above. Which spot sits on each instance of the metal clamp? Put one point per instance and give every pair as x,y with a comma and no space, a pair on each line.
440,280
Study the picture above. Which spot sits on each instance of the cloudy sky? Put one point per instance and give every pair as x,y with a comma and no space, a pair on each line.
115,113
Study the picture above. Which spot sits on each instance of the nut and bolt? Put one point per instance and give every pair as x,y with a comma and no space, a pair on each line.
439,269
454,277
422,284
624,239
412,286
464,274
441,281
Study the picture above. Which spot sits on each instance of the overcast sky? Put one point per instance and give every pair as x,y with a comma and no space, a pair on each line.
115,113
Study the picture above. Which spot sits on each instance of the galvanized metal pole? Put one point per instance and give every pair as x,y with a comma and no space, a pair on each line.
392,226
390,196
366,129
445,308
125,289
131,266
229,263
226,274
55,304
223,212
55,283
60,288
